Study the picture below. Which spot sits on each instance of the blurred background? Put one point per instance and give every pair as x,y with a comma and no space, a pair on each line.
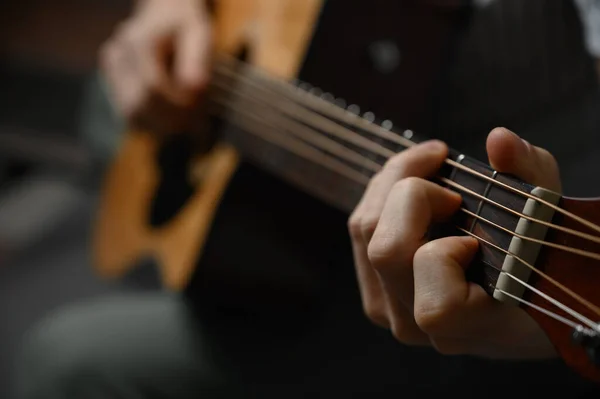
57,131
48,172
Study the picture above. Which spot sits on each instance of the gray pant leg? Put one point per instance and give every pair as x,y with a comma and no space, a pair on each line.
147,346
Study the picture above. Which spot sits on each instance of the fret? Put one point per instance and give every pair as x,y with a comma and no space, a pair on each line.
319,166
342,185
370,155
486,267
482,202
489,260
322,169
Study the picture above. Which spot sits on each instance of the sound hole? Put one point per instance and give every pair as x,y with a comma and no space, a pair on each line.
174,188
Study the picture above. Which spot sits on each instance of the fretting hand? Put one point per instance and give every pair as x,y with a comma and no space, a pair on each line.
157,63
418,289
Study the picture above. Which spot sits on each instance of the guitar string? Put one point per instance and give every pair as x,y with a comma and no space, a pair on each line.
340,131
314,102
555,316
317,103
250,113
549,313
356,139
555,302
307,134
331,146
301,149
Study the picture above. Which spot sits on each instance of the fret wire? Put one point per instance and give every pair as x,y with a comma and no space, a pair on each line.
259,133
297,112
269,137
301,149
557,246
568,249
307,134
399,139
285,89
481,202
363,182
368,154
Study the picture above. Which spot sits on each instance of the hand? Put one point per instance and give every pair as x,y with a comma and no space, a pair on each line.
417,288
157,63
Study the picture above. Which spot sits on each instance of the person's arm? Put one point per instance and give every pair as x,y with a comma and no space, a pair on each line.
157,63
589,11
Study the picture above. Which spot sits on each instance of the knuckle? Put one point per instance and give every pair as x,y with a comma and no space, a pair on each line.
382,253
435,314
354,227
368,225
426,253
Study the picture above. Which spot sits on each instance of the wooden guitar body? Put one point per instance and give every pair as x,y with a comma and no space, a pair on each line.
276,34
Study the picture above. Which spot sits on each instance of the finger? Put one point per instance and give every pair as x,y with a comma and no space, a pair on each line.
460,317
373,301
422,160
412,206
125,84
445,303
192,57
402,323
376,302
150,47
508,153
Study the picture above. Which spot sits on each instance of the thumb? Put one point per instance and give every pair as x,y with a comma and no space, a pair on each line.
510,154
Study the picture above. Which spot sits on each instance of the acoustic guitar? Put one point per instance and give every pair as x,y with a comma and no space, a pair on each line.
539,250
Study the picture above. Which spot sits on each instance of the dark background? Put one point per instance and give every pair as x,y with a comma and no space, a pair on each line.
48,181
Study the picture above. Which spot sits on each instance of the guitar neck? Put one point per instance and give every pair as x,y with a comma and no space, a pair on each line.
287,163
307,138
480,217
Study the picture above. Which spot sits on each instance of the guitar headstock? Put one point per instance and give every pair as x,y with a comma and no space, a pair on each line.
580,274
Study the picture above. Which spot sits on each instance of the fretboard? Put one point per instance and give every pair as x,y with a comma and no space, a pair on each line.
276,133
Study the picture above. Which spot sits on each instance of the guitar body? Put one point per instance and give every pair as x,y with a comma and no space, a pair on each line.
276,34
